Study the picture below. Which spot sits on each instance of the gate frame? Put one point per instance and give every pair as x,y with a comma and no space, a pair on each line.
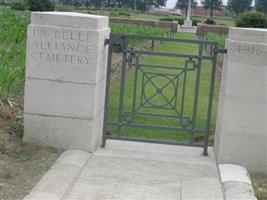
118,43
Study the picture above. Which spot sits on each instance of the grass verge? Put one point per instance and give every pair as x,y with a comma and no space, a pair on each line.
260,185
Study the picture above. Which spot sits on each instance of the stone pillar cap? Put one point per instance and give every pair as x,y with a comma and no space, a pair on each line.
256,35
69,20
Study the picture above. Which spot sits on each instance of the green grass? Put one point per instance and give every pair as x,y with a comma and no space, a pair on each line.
218,38
137,30
219,20
226,21
184,48
260,185
12,51
13,26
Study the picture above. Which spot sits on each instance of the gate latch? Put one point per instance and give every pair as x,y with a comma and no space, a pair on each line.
106,41
224,51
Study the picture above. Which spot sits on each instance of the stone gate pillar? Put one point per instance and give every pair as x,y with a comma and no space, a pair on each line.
65,80
241,132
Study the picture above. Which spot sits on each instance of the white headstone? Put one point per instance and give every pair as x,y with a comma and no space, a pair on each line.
65,79
241,132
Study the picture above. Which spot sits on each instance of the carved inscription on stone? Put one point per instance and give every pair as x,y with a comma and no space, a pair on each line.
60,46
252,53
251,50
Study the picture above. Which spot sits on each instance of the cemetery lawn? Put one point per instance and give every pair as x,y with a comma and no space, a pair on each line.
203,95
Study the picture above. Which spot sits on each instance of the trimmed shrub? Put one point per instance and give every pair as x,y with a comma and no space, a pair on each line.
210,21
167,19
120,14
180,20
41,5
170,19
18,5
124,14
114,14
252,20
195,22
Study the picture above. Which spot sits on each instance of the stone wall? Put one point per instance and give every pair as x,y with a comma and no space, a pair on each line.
65,80
241,131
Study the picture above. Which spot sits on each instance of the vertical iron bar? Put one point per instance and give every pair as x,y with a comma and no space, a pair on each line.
183,95
108,79
135,88
211,49
142,89
212,85
123,74
176,92
152,45
130,60
197,86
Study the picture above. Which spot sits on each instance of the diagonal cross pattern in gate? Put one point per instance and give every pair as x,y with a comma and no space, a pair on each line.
162,92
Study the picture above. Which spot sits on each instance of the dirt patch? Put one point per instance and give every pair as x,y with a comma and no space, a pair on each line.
21,165
260,185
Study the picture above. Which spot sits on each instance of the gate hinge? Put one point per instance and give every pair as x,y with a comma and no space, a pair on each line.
221,51
106,42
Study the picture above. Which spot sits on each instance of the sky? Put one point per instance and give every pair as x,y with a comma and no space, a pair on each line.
171,3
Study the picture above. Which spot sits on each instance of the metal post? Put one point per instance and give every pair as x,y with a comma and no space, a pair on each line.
197,87
122,86
108,79
212,84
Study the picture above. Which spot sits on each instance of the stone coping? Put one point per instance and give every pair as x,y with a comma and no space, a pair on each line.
236,182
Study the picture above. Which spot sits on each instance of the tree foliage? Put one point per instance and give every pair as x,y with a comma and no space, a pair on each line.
183,4
211,5
140,4
261,5
239,6
252,20
41,5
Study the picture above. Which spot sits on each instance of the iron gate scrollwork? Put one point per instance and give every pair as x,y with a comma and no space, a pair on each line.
158,90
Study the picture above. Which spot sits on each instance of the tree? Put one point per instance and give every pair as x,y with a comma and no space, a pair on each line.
252,20
261,5
138,4
183,4
239,6
131,4
211,5
157,3
66,2
41,5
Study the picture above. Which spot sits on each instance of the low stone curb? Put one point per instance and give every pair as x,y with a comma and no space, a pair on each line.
236,182
61,175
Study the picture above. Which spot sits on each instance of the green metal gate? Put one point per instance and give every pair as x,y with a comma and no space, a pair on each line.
148,98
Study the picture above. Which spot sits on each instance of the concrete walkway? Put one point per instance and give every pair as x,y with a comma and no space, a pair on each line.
132,171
